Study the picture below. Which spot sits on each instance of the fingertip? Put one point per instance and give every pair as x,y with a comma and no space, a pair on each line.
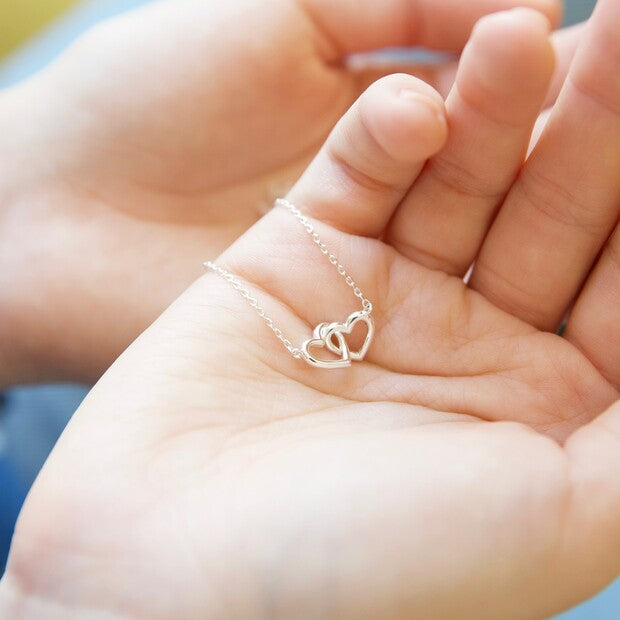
532,19
512,28
396,83
551,10
510,50
424,127
413,98
406,117
374,155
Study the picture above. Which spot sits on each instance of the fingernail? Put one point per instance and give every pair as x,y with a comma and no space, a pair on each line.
416,98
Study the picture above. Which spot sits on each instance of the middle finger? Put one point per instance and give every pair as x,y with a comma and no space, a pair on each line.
565,203
502,81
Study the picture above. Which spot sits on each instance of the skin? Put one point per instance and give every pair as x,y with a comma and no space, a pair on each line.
467,468
128,189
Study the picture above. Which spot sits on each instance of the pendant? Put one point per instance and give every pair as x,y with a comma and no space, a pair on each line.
331,336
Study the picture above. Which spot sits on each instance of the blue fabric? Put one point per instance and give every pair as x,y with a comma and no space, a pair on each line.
12,494
31,420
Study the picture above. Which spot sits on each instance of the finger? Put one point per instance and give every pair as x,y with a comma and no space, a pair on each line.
443,74
360,25
565,203
352,186
594,323
501,84
373,155
565,43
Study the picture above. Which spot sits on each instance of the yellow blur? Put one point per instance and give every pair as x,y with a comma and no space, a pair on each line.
21,19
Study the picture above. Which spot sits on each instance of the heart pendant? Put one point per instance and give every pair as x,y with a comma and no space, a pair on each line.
328,332
344,361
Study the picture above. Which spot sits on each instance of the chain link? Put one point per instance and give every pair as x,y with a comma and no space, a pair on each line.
333,259
238,285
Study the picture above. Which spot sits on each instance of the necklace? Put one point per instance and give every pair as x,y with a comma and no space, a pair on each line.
330,336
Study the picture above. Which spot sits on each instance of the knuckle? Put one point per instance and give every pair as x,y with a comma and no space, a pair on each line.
559,203
457,179
360,175
598,92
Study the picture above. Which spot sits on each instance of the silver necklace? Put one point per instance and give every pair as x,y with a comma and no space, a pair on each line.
330,336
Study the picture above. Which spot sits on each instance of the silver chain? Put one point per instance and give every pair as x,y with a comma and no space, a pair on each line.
333,259
238,285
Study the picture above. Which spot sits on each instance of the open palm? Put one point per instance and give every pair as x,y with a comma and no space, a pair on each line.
209,474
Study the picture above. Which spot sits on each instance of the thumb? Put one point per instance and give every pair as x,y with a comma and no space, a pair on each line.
365,25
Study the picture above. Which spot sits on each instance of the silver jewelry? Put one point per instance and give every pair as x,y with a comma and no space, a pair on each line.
330,336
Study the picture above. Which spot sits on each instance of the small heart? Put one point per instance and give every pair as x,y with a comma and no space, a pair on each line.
319,343
319,331
337,329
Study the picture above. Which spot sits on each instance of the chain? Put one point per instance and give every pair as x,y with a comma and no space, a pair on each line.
238,285
333,259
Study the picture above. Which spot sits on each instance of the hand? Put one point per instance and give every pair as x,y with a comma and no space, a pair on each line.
208,474
160,137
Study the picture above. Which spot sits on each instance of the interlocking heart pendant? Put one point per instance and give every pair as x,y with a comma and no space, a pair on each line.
318,342
331,336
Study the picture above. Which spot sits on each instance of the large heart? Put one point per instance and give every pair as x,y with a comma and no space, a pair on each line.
328,332
344,361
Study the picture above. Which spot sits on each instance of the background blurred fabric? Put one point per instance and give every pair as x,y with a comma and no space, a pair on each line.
20,20
31,419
